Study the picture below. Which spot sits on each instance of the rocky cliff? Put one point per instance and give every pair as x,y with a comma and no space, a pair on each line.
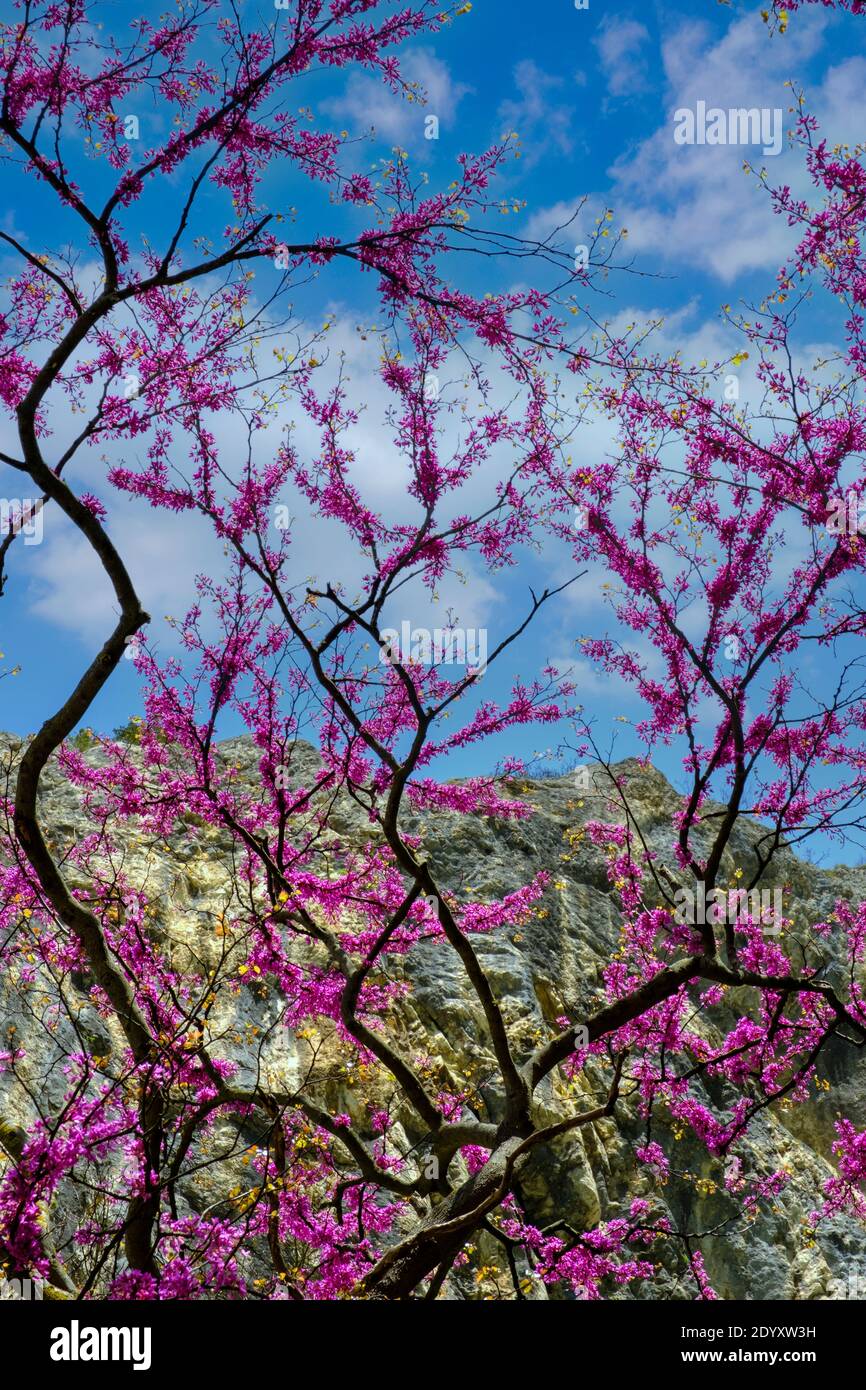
538,972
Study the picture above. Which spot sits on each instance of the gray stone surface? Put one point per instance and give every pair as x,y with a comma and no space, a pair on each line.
550,966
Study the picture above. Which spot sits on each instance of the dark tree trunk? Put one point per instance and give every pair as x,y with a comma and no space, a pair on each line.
445,1232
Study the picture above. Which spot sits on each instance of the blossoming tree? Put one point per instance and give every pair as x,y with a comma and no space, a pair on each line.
164,336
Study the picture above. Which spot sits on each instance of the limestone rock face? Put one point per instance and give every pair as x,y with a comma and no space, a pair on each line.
550,967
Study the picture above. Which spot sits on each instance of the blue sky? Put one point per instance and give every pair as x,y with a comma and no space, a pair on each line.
592,94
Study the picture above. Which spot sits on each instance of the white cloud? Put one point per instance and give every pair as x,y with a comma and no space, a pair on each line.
621,44
162,552
538,114
367,103
693,205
